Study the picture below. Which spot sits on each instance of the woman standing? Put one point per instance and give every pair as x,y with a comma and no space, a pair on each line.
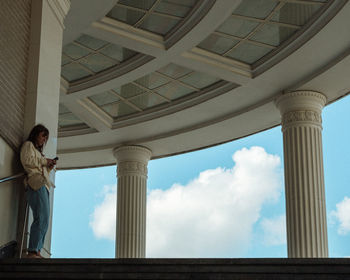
37,186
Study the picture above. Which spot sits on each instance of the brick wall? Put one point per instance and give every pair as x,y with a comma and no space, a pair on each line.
14,46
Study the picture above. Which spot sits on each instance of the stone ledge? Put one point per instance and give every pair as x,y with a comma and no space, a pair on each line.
257,269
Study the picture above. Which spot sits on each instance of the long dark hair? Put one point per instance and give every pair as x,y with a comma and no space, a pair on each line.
34,133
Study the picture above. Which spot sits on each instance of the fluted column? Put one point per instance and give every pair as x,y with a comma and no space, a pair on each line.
131,201
303,170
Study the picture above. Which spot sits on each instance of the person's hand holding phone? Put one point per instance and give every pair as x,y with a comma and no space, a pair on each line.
51,162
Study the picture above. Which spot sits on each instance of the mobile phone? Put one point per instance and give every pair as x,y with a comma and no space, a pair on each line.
56,158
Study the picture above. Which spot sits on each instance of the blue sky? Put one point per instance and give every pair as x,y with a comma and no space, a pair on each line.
249,223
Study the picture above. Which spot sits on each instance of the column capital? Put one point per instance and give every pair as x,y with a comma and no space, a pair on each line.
132,152
132,159
301,108
301,100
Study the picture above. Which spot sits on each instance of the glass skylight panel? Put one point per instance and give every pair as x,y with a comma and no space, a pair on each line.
68,120
129,90
295,13
178,8
199,80
91,42
158,17
66,117
87,56
174,71
104,98
152,81
272,34
74,71
248,53
262,8
217,44
74,51
97,62
62,109
173,90
237,27
159,24
257,27
118,52
169,83
128,16
65,59
147,100
141,4
119,109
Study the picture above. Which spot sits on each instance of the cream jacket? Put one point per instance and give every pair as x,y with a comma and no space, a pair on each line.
34,163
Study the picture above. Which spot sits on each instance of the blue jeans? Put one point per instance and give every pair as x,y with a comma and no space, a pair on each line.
40,204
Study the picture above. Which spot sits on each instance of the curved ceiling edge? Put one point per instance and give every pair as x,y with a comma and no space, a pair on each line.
66,132
174,154
323,69
179,131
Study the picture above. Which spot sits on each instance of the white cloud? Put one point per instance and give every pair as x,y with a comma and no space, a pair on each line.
274,230
102,220
342,214
211,216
